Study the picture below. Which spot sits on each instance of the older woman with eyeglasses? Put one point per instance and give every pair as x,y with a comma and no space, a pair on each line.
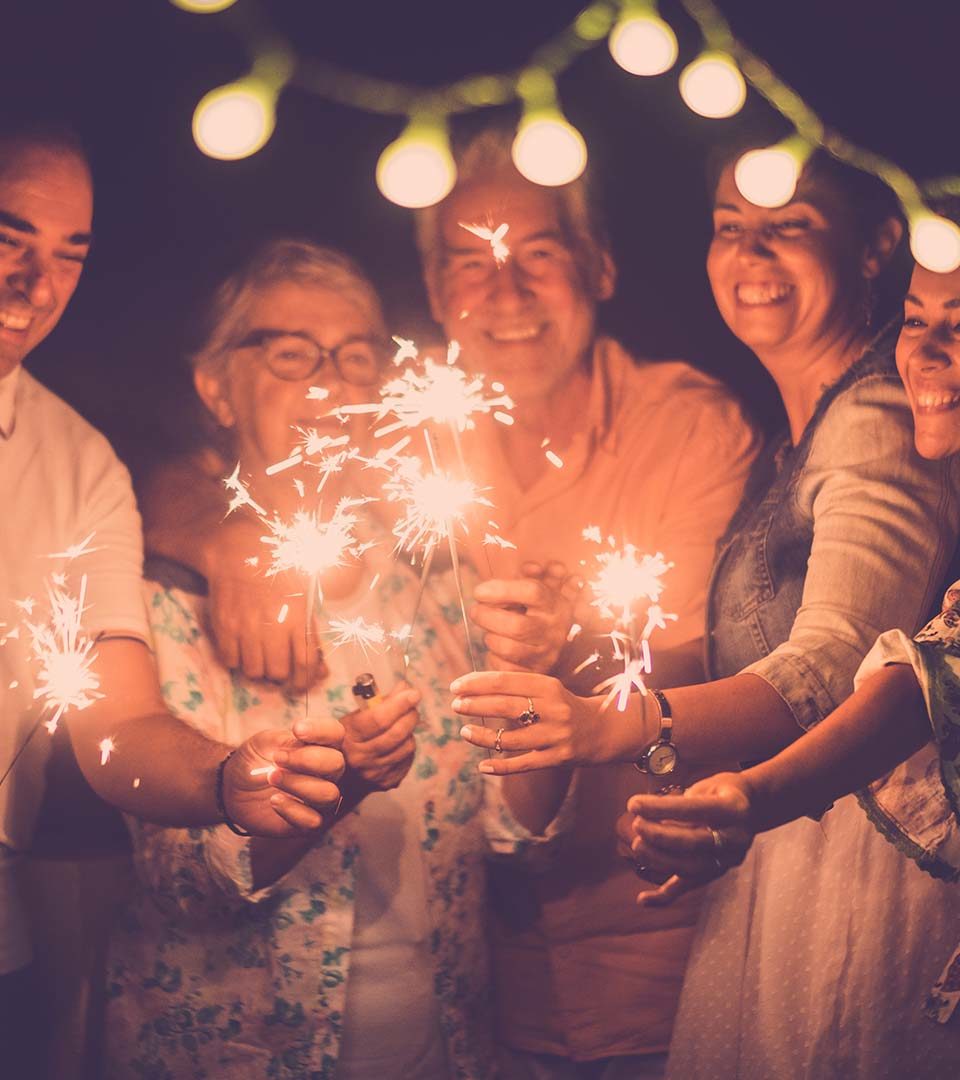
360,953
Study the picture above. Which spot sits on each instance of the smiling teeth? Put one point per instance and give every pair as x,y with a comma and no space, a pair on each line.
766,293
523,333
934,399
14,322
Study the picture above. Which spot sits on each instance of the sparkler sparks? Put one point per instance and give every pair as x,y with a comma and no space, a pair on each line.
435,504
440,394
368,636
627,581
65,655
494,237
106,747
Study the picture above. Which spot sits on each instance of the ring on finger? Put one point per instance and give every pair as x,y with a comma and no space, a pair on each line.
497,744
529,715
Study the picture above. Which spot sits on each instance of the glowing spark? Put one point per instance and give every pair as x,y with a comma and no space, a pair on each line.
263,770
592,533
575,629
296,458
13,685
403,633
107,747
504,418
591,659
406,350
374,581
299,488
498,541
65,655
136,781
434,504
554,459
318,393
441,394
311,545
26,605
74,551
626,580
453,352
282,613
494,237
619,687
252,560
357,632
241,494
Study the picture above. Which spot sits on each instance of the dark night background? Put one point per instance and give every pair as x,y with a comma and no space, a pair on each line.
167,218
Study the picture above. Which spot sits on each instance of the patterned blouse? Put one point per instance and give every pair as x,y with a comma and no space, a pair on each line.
210,978
917,805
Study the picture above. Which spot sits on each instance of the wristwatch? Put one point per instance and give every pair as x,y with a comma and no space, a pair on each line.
661,757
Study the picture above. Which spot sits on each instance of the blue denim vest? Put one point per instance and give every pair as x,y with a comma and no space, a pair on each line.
756,587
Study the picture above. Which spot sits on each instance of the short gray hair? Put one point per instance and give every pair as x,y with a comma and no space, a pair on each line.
276,261
486,153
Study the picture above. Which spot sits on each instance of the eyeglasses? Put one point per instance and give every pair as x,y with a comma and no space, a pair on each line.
294,356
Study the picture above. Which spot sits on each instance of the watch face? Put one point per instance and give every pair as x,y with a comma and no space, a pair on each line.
662,759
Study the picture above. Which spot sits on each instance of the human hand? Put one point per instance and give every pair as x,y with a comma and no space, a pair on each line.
526,619
379,745
299,793
696,836
569,730
244,605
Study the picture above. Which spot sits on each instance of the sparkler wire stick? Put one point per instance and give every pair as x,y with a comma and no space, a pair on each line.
425,570
454,560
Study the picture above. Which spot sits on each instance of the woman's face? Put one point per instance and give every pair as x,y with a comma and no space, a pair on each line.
928,359
283,324
789,278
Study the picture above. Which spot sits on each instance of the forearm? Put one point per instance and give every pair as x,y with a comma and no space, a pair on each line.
875,729
161,769
534,798
182,510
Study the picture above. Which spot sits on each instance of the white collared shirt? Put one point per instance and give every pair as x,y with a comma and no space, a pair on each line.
8,402
60,482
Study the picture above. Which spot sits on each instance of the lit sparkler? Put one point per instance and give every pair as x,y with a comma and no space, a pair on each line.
626,584
65,654
365,635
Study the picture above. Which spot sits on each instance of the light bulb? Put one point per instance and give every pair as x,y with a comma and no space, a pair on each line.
234,121
202,7
712,86
643,44
935,243
768,176
417,169
548,150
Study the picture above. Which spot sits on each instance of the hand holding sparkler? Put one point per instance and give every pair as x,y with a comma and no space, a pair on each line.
299,790
696,837
378,744
570,730
527,620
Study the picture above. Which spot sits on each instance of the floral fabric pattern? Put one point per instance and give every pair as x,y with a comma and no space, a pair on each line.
210,978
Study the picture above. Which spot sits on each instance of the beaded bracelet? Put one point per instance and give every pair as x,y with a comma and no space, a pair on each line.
221,803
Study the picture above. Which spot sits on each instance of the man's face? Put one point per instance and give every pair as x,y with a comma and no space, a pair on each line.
528,322
46,210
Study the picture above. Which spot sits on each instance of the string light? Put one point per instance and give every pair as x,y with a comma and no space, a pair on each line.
236,120
203,7
548,149
713,86
935,242
417,169
769,176
641,42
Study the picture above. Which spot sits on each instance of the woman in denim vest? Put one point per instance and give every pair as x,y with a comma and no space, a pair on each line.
844,532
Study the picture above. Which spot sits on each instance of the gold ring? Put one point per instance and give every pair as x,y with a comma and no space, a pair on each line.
497,745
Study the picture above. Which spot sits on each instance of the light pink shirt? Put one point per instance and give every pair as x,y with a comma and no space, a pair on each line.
661,462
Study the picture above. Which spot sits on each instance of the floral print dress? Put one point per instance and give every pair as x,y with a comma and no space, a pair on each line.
210,978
